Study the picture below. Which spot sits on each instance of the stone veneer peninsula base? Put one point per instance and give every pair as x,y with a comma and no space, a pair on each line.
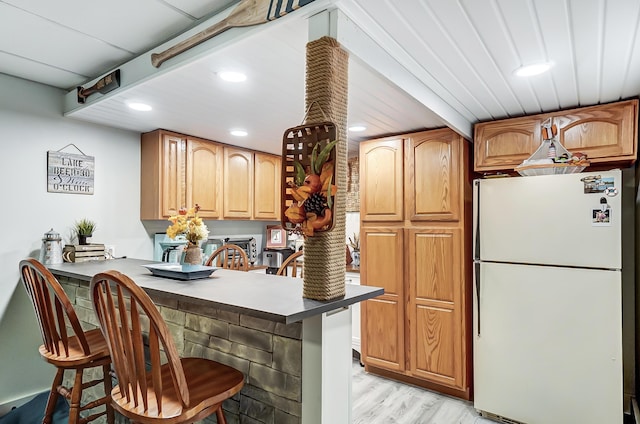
294,352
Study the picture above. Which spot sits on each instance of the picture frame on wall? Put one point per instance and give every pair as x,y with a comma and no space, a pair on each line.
276,236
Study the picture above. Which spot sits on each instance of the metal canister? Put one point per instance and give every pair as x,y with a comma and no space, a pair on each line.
51,251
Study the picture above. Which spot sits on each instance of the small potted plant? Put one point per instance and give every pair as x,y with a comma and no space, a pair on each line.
83,229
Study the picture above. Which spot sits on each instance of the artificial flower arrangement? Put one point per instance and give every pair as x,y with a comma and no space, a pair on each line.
189,225
313,191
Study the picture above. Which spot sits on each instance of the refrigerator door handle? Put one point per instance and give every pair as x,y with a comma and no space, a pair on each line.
476,275
476,211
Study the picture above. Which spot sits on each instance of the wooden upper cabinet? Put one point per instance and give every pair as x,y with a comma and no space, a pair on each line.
606,133
383,317
179,171
238,183
162,174
433,175
435,316
381,180
501,145
173,182
204,177
267,181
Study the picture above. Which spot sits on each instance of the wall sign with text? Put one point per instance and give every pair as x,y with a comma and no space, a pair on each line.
69,173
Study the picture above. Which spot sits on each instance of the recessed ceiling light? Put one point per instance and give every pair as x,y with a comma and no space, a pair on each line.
232,76
142,107
535,69
357,128
239,133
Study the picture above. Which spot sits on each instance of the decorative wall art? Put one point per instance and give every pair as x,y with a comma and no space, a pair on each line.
69,172
246,13
276,237
104,85
308,178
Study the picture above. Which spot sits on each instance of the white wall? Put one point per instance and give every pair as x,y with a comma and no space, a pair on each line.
31,124
352,226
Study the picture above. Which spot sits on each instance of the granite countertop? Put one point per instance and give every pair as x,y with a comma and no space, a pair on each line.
270,296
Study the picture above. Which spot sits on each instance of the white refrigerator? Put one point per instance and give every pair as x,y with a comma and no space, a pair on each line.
548,298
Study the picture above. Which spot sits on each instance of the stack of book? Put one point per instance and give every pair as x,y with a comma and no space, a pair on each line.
83,252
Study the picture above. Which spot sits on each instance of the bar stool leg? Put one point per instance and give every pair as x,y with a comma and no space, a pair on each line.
53,397
76,396
108,386
220,416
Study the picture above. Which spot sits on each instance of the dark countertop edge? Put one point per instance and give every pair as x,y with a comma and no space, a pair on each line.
286,319
321,306
335,304
69,274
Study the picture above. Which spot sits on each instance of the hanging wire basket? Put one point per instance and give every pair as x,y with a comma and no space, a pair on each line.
551,158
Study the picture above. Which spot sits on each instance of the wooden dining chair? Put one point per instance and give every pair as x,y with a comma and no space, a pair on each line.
229,256
295,262
66,345
177,390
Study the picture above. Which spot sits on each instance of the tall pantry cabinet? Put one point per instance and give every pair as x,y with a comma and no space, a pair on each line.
415,197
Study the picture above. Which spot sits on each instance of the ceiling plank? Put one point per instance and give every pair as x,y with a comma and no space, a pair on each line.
352,38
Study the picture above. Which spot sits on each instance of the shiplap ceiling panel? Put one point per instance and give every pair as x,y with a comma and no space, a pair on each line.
88,56
36,71
632,81
199,8
621,34
379,26
489,20
587,21
473,64
384,106
557,33
160,22
451,54
522,29
446,63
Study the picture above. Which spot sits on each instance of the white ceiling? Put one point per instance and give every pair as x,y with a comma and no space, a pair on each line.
455,57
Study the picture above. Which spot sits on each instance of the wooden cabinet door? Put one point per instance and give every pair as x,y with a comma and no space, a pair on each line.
204,177
381,180
267,185
435,284
503,145
238,183
433,178
173,175
605,132
383,317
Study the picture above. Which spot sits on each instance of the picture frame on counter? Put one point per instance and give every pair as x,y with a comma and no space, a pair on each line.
276,236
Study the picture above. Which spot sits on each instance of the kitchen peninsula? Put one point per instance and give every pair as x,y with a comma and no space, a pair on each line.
294,352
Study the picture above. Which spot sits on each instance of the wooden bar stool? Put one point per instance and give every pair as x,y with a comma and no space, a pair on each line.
66,348
180,390
229,256
295,262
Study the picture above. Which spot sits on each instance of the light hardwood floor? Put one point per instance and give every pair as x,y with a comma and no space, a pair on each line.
377,400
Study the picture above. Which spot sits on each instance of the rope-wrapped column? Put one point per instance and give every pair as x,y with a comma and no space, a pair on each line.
327,85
